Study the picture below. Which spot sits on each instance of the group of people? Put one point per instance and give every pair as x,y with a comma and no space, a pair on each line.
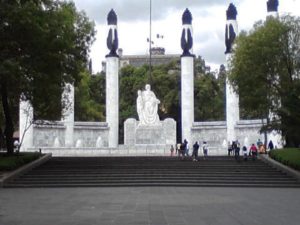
183,149
234,149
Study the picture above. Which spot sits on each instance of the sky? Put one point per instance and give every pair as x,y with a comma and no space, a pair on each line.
209,18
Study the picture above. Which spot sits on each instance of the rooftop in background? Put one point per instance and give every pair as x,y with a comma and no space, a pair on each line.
158,57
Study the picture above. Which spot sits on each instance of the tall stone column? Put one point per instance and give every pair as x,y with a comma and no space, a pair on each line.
112,82
275,136
25,125
187,77
68,114
232,99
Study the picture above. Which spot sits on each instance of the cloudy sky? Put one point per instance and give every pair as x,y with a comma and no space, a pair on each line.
209,17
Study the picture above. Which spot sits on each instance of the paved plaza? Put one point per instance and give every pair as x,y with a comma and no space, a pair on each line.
150,206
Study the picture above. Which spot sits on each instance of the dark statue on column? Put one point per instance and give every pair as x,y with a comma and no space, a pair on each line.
272,5
186,36
230,34
112,38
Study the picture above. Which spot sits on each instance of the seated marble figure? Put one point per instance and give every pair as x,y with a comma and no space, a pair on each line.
147,107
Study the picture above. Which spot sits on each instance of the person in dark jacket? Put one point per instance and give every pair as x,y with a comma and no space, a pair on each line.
195,151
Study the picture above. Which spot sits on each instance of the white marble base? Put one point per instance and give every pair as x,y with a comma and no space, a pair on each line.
149,137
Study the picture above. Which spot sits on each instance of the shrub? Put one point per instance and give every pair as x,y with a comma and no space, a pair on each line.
289,157
13,162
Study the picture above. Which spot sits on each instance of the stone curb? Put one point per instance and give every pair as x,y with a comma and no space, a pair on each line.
280,166
24,169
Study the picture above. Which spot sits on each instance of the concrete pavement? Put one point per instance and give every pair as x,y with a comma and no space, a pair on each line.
150,206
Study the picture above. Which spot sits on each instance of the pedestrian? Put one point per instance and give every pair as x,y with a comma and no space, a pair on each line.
245,153
172,150
182,149
237,150
253,151
270,145
186,145
205,149
229,148
178,148
195,151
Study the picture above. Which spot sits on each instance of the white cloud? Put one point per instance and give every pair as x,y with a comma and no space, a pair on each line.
208,24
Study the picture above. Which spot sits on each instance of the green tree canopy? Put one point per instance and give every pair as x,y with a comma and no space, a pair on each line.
265,72
44,44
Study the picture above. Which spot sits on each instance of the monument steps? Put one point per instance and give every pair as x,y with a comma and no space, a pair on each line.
153,171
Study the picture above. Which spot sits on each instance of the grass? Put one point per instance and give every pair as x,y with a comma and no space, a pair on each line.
289,157
8,163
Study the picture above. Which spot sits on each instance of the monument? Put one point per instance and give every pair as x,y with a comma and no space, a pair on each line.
149,132
187,76
232,99
147,107
112,81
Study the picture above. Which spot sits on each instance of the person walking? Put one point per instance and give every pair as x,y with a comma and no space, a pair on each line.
253,151
172,150
186,147
229,148
182,150
195,151
178,149
205,149
245,155
270,145
237,150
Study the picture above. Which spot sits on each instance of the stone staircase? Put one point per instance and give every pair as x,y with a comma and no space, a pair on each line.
153,171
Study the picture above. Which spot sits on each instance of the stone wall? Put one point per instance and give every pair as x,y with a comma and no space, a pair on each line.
86,134
90,134
49,134
215,134
248,132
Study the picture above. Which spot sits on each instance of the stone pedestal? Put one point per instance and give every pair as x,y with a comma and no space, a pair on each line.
232,107
163,134
112,100
25,125
68,114
187,96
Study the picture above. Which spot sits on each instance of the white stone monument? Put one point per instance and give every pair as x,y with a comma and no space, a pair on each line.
149,131
112,81
275,136
68,114
187,77
232,99
147,107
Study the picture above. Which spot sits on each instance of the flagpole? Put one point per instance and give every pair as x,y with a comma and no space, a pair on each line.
150,44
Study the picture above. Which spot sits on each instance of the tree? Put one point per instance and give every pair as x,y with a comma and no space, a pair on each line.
209,92
90,98
265,72
44,44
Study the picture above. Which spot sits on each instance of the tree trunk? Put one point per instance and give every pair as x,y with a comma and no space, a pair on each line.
9,126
